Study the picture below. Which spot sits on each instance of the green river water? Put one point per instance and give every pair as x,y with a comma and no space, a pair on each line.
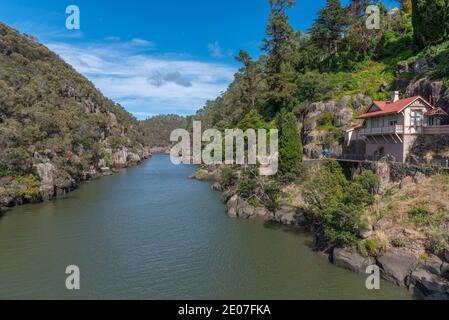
151,233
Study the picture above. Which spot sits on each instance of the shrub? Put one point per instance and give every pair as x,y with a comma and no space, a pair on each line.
369,181
371,248
227,177
422,217
15,162
325,120
398,242
436,245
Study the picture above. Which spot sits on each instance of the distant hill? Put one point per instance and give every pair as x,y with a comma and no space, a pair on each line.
56,128
157,129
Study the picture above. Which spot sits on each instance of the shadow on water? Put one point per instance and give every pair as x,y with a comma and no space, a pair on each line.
309,236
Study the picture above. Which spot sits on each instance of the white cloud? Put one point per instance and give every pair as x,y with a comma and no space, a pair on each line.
143,82
216,51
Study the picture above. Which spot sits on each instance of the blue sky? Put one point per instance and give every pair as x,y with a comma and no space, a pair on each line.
154,57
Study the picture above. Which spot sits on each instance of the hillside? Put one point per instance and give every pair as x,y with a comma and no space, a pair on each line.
56,128
157,129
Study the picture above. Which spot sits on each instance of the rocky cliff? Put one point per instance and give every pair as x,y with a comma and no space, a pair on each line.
56,128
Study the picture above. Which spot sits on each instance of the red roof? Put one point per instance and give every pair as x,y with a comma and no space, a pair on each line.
388,107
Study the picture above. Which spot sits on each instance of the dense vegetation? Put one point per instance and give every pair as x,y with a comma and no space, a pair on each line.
157,129
51,114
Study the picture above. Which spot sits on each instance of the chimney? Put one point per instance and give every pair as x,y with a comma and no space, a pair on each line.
395,97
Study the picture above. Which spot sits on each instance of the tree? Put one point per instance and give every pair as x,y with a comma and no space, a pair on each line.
430,21
290,145
330,27
280,46
248,78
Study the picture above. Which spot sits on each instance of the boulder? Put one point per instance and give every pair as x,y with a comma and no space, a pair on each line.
428,284
397,265
420,66
120,158
46,173
286,214
361,102
402,67
382,170
232,206
240,208
313,151
351,259
433,264
343,117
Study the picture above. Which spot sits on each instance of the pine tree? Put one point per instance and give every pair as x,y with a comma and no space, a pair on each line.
248,78
329,28
280,46
430,21
290,145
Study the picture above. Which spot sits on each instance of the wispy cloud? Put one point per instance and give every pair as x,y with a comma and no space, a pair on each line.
132,74
216,51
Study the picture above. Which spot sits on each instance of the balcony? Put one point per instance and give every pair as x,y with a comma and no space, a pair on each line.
397,129
436,129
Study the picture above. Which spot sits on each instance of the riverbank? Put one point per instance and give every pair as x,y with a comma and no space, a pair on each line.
401,250
50,182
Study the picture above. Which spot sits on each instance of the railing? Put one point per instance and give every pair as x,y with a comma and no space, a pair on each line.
442,163
436,129
399,129
362,157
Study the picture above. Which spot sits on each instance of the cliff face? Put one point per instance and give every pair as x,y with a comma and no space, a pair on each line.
56,128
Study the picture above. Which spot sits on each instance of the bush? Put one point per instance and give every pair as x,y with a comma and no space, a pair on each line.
325,120
436,245
15,162
371,248
369,181
227,177
398,242
422,217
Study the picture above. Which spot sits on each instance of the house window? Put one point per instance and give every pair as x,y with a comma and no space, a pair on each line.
393,123
433,121
416,118
375,122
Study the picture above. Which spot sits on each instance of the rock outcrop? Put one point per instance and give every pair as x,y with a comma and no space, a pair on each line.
351,259
397,266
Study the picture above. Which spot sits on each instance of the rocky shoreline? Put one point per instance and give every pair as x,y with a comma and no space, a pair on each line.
426,279
54,183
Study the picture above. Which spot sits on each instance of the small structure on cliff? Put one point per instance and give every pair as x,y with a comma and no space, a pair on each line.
391,128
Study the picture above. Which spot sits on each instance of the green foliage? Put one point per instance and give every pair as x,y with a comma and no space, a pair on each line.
339,204
398,242
371,248
422,217
329,27
430,21
258,190
325,120
157,130
253,120
15,162
227,177
280,46
290,144
436,245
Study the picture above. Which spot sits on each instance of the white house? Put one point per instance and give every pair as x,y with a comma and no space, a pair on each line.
391,128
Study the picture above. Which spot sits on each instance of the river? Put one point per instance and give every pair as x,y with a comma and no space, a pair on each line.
151,233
